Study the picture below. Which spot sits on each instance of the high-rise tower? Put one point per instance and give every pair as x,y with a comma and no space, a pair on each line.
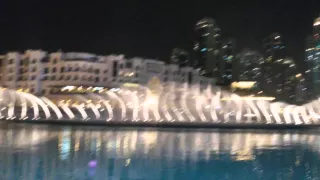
274,48
207,47
179,57
312,59
226,62
249,66
316,57
278,70
311,73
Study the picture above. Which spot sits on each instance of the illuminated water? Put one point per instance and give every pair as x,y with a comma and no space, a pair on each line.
50,153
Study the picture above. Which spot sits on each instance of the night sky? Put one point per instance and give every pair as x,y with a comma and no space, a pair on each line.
150,28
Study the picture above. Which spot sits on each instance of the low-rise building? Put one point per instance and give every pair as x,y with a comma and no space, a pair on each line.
39,72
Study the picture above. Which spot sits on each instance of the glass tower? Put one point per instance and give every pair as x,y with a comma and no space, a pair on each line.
207,47
278,70
316,57
309,59
226,63
249,66
312,59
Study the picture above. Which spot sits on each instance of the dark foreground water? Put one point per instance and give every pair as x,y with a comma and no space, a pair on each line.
62,153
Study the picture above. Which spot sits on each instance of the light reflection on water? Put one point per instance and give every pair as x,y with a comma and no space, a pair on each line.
41,152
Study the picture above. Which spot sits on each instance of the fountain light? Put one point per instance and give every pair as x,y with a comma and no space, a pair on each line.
190,105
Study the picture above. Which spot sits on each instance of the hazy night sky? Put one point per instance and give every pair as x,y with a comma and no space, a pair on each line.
149,28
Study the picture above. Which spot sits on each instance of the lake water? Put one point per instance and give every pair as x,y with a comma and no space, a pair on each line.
31,152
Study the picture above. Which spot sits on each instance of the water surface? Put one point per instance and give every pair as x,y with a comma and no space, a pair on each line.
32,152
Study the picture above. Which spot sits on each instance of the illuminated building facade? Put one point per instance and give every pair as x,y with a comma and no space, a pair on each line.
227,62
316,41
249,66
310,72
274,47
312,55
207,48
39,72
279,71
302,92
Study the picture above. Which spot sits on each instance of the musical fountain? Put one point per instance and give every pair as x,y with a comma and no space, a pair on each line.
160,106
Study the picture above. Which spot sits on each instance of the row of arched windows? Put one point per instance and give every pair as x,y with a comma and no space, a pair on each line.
73,78
74,69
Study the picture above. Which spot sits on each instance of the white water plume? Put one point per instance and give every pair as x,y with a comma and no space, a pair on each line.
173,105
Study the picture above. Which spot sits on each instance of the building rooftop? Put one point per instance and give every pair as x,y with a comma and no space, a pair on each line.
79,56
205,22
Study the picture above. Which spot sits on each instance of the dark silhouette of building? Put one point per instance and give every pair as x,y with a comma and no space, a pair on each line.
180,57
207,47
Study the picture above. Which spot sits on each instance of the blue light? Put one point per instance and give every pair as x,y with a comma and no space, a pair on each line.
204,49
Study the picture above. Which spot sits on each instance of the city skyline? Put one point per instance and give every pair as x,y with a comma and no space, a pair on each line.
150,29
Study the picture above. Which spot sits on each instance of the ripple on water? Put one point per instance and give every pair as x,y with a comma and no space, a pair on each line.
42,152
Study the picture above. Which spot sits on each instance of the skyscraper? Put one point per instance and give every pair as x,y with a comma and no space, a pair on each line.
249,66
226,62
180,57
274,48
313,59
278,70
274,54
207,47
311,74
